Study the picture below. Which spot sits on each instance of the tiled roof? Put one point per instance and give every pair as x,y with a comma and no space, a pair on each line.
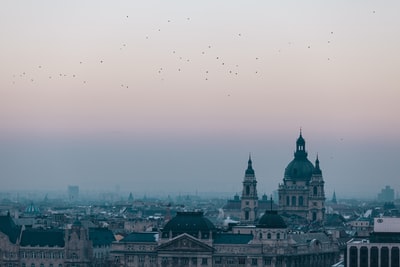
101,236
42,238
232,238
8,227
141,237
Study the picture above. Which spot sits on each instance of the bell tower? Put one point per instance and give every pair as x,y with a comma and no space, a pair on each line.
316,209
249,200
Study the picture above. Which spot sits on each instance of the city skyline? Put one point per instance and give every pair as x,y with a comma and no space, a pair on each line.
177,95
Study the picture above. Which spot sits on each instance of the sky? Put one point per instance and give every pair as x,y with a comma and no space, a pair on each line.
172,96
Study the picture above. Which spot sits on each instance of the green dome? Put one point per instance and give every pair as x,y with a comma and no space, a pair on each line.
192,223
300,168
271,219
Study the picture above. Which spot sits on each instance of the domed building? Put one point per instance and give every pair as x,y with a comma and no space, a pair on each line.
302,192
192,223
190,239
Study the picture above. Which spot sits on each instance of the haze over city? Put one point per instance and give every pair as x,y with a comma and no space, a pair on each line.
172,96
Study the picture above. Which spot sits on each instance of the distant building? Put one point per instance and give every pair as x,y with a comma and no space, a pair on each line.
75,246
190,239
73,192
386,194
302,192
380,250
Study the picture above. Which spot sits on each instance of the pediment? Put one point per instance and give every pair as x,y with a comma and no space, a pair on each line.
183,243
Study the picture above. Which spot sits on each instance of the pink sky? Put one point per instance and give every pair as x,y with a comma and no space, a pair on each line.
201,69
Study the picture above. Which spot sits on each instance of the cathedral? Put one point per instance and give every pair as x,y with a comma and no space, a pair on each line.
301,194
302,191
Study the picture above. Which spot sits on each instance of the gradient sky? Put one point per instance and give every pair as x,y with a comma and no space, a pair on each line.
173,95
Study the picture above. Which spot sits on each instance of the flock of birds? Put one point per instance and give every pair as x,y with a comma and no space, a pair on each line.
232,69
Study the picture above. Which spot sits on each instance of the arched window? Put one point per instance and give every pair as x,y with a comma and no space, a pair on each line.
395,257
278,236
287,201
247,190
269,236
353,256
374,259
384,257
260,235
246,215
293,201
315,190
363,256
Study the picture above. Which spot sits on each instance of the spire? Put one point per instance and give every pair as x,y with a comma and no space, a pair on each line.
249,171
334,197
271,203
317,170
300,147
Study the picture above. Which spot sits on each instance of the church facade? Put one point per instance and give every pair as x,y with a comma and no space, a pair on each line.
302,191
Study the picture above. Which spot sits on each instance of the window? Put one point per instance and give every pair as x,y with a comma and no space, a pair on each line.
218,260
204,261
152,259
269,236
384,257
353,256
293,201
254,262
315,190
301,201
267,261
32,265
246,215
194,261
230,260
363,257
260,235
374,262
247,190
242,260
23,265
141,259
41,265
130,258
395,257
247,203
287,201
278,236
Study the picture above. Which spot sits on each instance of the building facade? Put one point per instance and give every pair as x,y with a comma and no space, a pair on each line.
72,247
302,192
190,239
381,249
